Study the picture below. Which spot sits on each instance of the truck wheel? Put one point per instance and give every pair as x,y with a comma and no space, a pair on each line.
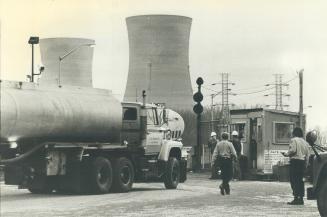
123,175
172,174
45,190
40,185
322,199
101,175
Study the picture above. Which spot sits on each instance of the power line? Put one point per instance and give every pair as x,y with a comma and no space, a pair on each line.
251,92
259,91
269,88
249,88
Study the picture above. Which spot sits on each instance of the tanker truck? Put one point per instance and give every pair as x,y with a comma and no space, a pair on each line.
80,139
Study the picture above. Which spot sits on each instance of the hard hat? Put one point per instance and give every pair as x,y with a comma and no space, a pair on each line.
234,133
213,134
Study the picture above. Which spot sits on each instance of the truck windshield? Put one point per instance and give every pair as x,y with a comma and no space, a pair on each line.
152,117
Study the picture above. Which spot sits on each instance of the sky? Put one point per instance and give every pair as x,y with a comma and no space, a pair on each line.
251,40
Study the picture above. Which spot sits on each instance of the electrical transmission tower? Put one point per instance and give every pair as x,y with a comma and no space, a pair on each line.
224,98
225,92
279,88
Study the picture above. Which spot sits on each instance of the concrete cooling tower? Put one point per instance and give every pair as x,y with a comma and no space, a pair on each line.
159,60
75,64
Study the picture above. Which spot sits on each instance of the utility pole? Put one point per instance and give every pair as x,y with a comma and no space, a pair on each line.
212,125
301,98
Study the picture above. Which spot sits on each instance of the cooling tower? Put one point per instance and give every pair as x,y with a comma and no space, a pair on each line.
75,66
159,61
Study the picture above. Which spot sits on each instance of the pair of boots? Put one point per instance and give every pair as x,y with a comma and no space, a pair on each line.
296,201
224,189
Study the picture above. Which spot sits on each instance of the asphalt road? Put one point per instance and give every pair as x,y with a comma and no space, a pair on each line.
199,196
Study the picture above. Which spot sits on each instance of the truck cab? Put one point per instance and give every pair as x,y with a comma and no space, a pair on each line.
156,131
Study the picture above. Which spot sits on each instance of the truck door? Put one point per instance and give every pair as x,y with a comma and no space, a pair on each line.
131,125
154,133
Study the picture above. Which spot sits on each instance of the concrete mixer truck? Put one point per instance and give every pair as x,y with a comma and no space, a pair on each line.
80,139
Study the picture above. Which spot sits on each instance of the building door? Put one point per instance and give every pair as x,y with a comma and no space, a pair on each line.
253,143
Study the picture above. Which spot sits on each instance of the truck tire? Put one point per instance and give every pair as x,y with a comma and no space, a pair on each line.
40,185
101,175
172,173
322,199
123,175
44,190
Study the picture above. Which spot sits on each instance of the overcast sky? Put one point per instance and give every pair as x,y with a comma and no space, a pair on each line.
251,40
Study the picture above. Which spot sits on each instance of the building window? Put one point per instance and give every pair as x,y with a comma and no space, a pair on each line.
241,129
282,132
130,114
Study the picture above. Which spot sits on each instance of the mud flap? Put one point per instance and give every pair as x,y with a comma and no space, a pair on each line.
183,171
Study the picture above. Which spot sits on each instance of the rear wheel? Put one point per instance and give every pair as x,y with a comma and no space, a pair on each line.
172,174
40,185
123,175
44,190
101,175
322,199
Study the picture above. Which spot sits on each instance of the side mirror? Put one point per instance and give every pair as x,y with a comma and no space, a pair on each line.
165,116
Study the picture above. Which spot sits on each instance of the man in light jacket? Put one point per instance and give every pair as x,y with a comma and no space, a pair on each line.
224,153
299,157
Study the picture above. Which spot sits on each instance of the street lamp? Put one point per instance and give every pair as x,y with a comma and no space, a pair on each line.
33,40
212,105
66,55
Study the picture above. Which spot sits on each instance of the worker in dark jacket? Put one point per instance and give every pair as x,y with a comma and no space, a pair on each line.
238,148
212,142
212,145
299,156
224,153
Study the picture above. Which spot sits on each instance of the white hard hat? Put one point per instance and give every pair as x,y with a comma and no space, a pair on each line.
213,134
234,133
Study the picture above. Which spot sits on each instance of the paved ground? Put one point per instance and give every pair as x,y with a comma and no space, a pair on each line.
199,196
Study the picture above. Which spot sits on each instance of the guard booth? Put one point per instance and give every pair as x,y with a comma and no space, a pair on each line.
265,133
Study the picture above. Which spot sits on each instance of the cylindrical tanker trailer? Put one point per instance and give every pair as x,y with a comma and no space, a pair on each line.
69,114
81,139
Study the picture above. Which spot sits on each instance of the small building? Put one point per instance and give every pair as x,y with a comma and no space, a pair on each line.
265,133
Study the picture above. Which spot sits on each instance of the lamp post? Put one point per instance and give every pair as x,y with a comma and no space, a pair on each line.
33,40
212,97
66,55
212,105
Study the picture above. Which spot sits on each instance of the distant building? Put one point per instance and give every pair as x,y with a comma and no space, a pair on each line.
265,133
159,60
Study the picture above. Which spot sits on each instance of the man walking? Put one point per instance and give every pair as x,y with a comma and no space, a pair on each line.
299,156
224,153
212,145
